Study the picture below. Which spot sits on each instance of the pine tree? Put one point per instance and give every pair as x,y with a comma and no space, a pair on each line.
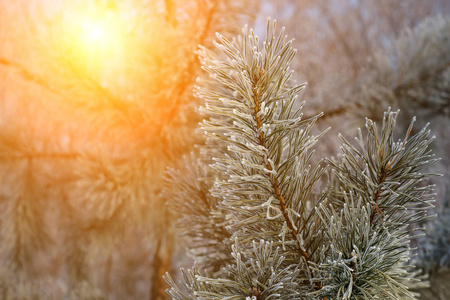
84,142
263,222
401,62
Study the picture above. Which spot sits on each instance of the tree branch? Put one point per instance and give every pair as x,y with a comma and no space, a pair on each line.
274,180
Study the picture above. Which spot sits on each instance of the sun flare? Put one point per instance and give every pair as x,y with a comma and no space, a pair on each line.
97,37
101,34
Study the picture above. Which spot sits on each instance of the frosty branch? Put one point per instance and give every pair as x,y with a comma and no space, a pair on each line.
327,246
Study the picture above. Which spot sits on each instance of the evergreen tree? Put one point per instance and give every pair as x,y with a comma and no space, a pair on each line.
264,223
85,138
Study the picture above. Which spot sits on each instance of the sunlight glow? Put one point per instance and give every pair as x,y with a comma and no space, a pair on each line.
98,38
101,34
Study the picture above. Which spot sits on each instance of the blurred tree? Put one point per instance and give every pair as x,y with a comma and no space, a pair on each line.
340,43
95,104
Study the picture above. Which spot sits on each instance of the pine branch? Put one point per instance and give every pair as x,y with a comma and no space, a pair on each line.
261,278
28,75
88,83
354,244
268,153
382,180
274,180
187,192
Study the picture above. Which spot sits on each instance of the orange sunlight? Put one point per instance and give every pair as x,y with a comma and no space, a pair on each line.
101,36
98,37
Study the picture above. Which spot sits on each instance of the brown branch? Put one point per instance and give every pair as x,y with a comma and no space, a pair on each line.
381,180
274,180
116,159
397,90
384,172
162,262
88,82
376,198
27,75
40,155
338,111
163,255
186,76
424,77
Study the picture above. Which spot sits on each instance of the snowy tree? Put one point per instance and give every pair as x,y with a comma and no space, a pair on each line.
266,224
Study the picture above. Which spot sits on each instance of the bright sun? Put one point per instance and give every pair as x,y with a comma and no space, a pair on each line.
96,33
97,37
102,33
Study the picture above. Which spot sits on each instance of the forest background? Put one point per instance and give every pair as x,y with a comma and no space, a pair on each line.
90,120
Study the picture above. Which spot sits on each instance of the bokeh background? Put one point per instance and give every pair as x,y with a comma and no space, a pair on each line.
96,103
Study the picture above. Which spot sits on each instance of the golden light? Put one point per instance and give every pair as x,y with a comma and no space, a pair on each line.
101,35
97,38
96,33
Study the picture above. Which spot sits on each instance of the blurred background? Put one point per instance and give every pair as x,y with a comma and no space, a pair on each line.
96,102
